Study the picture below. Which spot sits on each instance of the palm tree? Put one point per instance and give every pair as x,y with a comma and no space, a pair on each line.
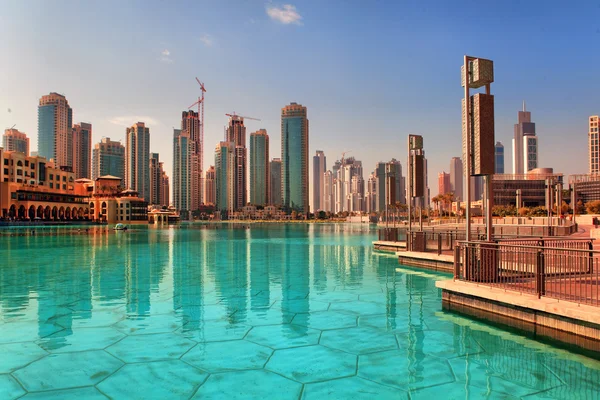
436,200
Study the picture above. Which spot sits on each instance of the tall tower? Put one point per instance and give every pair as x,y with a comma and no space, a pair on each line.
259,167
191,126
181,170
275,184
319,168
225,182
236,133
164,189
137,159
209,186
108,159
294,158
13,140
156,180
525,146
499,154
444,183
594,145
55,124
456,178
82,150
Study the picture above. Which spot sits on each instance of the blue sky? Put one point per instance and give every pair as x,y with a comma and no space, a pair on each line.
370,72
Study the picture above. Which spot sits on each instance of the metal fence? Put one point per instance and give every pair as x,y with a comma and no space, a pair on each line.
565,269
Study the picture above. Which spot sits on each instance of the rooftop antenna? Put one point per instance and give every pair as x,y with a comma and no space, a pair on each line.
523,105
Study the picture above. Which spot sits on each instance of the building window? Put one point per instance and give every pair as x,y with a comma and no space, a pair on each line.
51,176
6,161
64,178
64,187
51,185
26,163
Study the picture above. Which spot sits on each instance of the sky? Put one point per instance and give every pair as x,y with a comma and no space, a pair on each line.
369,72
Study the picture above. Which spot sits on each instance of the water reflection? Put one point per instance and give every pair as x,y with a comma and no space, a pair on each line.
295,282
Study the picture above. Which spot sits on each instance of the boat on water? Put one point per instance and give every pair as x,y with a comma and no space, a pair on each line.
120,227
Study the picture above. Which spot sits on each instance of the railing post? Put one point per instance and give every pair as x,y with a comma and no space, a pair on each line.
540,279
439,243
591,257
457,262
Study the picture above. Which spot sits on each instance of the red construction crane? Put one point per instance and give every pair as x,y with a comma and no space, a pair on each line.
200,104
234,115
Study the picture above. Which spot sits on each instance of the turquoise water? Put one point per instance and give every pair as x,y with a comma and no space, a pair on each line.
288,311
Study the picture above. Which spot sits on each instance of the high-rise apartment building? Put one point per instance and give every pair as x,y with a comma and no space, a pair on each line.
319,168
137,159
275,185
525,144
594,145
348,186
55,129
13,140
328,192
393,171
236,133
209,186
164,190
499,158
456,178
108,159
294,158
259,168
190,125
181,170
444,183
371,194
225,182
82,150
156,180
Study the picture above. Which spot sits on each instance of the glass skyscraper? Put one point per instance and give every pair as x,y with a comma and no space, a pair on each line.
108,159
181,170
259,168
225,167
137,160
499,166
55,124
294,158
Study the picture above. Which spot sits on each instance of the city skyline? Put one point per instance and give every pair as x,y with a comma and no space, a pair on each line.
174,57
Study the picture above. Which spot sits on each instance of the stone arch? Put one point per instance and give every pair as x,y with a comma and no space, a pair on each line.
22,213
61,213
40,212
54,213
68,213
47,213
31,212
12,211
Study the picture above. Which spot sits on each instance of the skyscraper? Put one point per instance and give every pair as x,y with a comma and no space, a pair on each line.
55,134
444,183
13,140
275,185
525,146
82,150
393,171
456,178
348,186
319,168
190,125
328,192
236,133
371,194
225,182
209,186
499,161
259,168
108,159
294,158
164,190
156,180
181,170
137,159
594,145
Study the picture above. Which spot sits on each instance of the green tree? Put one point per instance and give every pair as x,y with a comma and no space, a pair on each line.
593,207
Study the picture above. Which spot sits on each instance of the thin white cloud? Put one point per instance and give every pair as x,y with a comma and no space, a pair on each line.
207,40
129,120
286,14
165,56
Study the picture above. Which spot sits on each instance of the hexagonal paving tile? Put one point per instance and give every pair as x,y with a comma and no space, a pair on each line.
326,320
354,388
81,339
171,379
83,319
443,344
12,332
69,370
204,312
359,307
283,336
153,324
401,323
359,340
17,355
87,393
256,384
301,305
333,297
404,370
267,316
160,346
213,331
227,356
458,390
312,363
10,388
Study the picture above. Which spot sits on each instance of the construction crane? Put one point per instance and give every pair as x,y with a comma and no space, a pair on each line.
234,115
344,155
200,104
